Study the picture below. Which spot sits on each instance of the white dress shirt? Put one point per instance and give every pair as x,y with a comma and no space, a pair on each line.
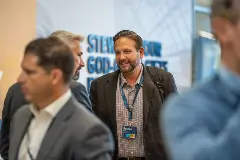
39,125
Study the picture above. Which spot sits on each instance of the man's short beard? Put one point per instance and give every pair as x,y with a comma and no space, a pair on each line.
133,66
76,75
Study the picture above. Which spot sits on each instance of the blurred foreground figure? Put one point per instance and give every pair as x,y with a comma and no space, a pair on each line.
54,125
204,123
15,98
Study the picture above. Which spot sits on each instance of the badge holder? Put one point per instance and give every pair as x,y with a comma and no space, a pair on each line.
129,132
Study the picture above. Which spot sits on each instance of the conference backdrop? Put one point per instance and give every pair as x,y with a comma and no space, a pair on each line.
164,25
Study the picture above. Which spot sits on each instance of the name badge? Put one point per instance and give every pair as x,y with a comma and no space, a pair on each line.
129,132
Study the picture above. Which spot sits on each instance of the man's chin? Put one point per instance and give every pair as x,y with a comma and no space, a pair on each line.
76,76
126,71
28,97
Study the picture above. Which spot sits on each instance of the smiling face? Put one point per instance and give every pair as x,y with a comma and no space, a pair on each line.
127,56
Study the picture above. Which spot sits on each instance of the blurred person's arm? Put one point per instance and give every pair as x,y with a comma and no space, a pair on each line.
13,101
187,136
6,119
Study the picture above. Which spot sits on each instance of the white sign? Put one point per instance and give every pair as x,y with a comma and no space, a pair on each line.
165,26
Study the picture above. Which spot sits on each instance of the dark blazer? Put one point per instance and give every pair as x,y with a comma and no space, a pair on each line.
80,93
15,99
103,98
74,134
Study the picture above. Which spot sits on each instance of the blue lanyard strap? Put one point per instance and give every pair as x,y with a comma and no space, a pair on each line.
126,104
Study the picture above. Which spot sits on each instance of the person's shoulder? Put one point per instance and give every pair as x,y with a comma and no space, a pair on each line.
197,97
20,113
81,114
160,70
75,84
83,120
16,95
15,87
105,77
84,128
23,109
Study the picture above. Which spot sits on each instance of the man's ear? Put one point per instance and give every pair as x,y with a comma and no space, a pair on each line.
56,76
222,29
141,51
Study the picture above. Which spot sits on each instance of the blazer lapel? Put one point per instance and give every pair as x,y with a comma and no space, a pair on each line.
19,130
148,88
110,88
55,129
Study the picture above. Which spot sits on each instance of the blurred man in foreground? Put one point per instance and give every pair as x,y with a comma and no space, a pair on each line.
54,125
15,99
204,123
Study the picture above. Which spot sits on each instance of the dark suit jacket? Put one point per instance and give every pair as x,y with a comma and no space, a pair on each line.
80,93
74,134
103,98
15,99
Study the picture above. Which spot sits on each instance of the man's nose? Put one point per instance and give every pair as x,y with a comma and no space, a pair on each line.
122,56
82,64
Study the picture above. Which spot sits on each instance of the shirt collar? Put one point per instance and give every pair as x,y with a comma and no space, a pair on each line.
53,108
124,81
230,79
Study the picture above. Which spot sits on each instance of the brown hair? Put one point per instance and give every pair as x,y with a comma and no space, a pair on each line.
228,9
131,35
52,53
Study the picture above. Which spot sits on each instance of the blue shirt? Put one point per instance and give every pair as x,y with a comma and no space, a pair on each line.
204,123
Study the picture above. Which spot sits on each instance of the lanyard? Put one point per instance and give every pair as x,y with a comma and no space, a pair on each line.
28,149
126,104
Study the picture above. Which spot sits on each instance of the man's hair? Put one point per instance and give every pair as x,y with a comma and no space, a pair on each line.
131,35
52,53
67,37
228,9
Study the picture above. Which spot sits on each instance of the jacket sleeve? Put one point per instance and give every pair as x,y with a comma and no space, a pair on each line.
6,118
171,85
